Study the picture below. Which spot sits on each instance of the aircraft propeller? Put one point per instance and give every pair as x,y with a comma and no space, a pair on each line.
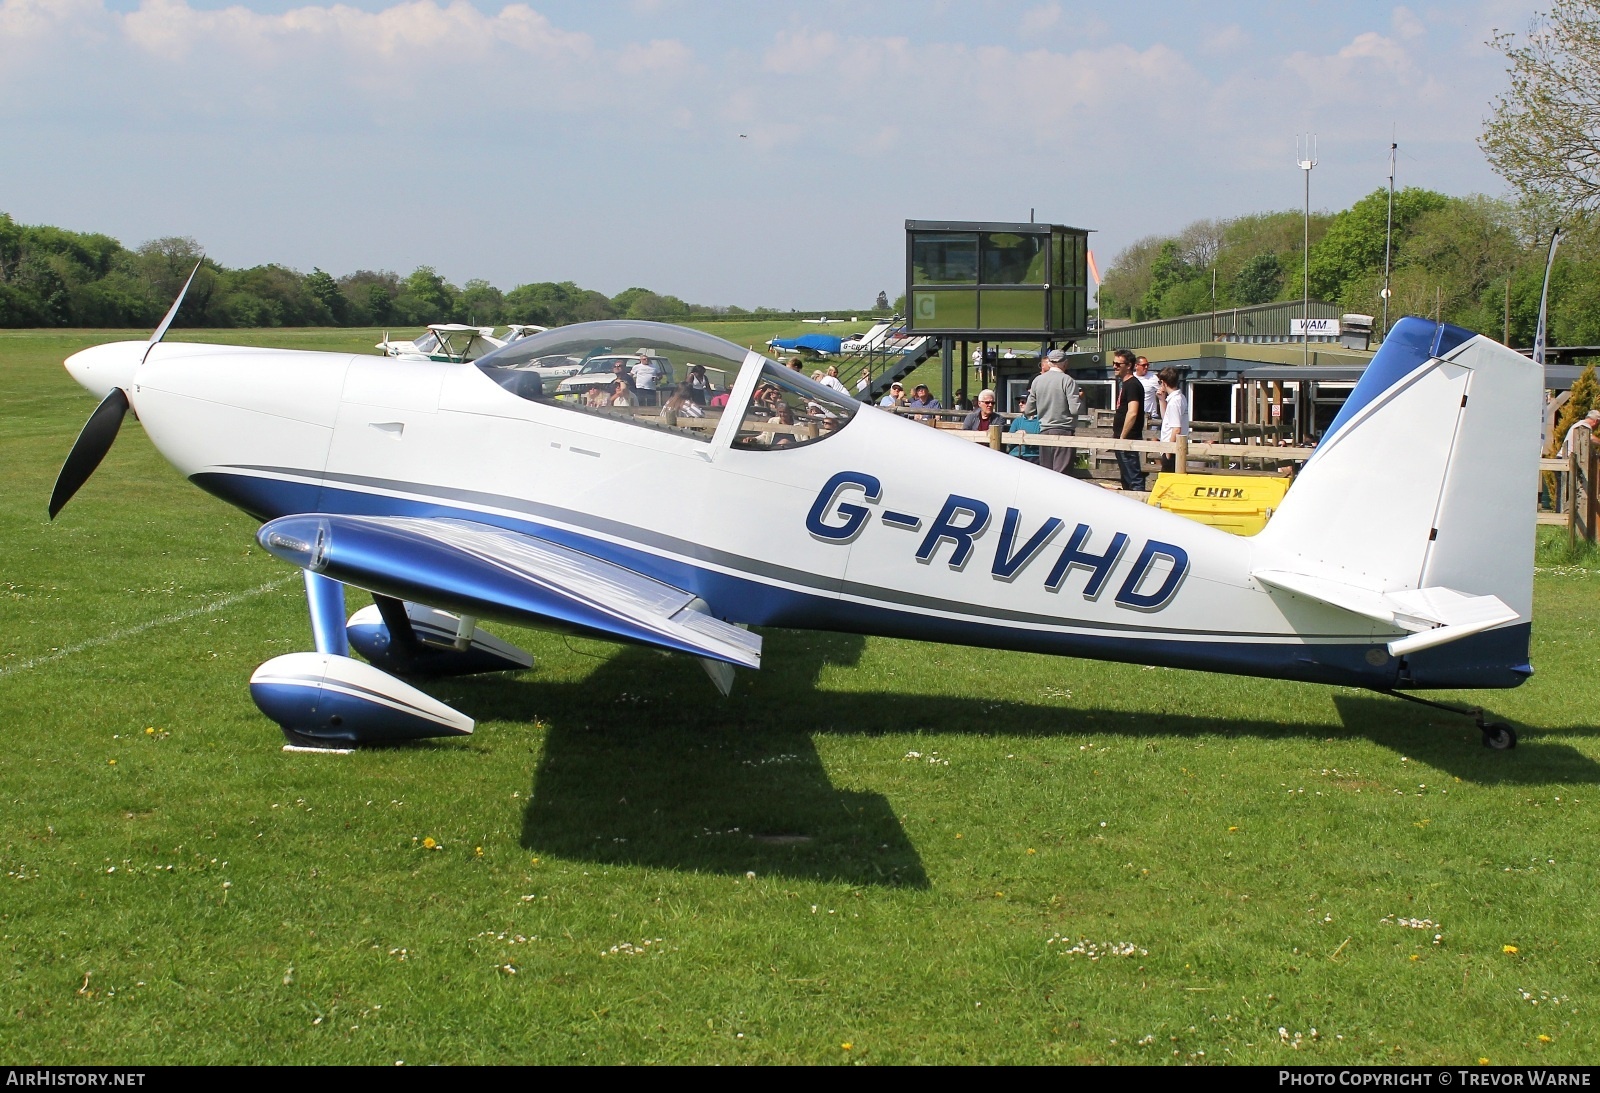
100,431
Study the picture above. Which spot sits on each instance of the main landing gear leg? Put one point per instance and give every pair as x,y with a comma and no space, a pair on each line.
1496,734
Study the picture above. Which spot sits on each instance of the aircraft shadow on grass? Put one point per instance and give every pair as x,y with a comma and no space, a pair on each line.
644,765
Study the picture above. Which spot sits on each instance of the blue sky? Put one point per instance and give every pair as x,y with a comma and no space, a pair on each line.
747,153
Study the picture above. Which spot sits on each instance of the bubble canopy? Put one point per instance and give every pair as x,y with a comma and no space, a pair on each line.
582,341
670,379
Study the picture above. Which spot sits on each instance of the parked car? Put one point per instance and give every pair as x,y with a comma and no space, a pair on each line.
598,371
552,369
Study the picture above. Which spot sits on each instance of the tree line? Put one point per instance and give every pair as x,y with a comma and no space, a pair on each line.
1476,261
53,277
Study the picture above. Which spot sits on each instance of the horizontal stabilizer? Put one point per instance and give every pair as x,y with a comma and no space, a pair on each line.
1435,616
484,571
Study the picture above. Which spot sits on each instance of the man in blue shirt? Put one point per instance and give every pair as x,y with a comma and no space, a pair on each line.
1022,423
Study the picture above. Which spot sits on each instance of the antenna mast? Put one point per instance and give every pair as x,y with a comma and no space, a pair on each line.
1306,162
1388,237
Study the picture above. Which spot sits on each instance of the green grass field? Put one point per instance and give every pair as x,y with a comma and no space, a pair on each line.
874,851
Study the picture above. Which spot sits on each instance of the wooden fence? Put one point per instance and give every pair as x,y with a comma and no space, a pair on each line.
1570,483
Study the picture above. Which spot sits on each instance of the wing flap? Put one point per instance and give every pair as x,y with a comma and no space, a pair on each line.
490,572
1435,616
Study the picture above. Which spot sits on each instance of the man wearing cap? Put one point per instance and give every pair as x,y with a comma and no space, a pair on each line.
895,397
1055,400
922,399
1585,422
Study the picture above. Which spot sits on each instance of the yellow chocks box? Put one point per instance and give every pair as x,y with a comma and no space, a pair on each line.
1241,504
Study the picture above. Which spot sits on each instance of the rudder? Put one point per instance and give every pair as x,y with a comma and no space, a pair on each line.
1427,479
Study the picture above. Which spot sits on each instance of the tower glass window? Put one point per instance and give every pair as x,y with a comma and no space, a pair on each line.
996,280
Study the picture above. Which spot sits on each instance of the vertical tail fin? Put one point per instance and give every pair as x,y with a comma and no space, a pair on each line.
1427,479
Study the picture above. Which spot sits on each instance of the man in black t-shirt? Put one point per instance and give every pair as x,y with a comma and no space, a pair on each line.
1129,422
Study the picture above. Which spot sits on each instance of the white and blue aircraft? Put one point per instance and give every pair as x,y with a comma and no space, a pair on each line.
1400,560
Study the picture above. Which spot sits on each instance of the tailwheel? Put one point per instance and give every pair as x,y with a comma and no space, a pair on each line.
1499,736
1496,734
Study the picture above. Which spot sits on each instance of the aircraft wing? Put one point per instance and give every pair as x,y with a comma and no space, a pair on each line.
485,571
1434,615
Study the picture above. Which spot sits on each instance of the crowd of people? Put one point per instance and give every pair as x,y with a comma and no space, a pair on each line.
1142,400
646,382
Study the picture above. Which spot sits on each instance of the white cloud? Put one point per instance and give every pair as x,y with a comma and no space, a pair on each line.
358,125
1228,39
1042,18
1406,24
420,31
414,63
797,52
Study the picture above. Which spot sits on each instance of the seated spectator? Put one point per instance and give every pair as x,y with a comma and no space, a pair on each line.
984,417
681,404
896,396
922,399
783,417
1022,423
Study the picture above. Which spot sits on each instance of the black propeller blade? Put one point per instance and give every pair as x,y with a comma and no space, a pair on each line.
172,312
101,430
90,448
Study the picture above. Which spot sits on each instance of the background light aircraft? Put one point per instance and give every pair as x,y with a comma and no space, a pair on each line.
1401,559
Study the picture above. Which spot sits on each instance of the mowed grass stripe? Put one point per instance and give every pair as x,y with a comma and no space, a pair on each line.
139,628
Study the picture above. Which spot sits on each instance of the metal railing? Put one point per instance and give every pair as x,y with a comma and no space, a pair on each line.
891,357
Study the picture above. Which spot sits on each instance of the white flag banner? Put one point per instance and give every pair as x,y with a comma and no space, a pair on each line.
1544,300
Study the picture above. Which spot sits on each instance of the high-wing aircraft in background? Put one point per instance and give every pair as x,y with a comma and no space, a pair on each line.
1400,560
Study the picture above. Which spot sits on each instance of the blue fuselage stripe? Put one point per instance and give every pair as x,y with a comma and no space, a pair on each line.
763,603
